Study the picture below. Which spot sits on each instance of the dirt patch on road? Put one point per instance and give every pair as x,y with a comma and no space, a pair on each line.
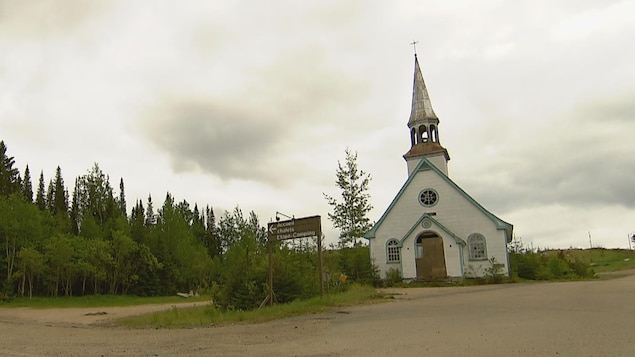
83,316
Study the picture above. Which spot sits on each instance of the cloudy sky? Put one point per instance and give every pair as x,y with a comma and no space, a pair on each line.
252,103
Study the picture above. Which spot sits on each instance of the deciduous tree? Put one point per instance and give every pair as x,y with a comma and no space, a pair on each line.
32,264
19,224
350,213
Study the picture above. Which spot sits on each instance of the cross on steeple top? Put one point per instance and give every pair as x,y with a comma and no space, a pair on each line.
414,46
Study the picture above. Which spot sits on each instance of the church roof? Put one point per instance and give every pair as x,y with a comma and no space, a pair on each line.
421,105
425,165
426,149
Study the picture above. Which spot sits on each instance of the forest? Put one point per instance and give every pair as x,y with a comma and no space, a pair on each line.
56,243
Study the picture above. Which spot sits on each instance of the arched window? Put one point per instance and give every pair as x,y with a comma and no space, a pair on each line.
423,134
477,247
413,137
434,133
392,251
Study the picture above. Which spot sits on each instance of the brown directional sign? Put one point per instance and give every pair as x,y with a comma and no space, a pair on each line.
295,228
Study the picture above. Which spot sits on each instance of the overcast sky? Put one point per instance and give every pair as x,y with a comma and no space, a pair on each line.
252,103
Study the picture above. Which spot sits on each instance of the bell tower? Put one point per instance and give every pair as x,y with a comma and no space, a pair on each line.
424,128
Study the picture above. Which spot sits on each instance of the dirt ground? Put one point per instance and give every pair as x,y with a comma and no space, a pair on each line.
590,318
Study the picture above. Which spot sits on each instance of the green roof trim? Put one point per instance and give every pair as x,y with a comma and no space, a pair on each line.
426,165
457,239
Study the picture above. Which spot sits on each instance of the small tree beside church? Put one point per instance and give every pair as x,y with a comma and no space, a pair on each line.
349,213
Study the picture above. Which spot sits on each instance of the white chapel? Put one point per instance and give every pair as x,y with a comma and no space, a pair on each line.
433,229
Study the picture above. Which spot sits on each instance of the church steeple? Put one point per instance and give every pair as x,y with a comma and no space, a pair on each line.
424,128
421,106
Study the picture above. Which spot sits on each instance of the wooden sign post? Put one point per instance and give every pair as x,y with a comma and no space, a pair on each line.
292,229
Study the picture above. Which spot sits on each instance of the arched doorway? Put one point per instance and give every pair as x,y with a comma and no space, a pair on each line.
430,256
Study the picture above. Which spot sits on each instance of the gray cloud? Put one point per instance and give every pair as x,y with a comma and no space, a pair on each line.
617,109
302,86
582,160
46,18
202,135
252,132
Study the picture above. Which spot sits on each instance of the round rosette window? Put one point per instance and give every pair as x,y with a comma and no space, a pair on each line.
428,197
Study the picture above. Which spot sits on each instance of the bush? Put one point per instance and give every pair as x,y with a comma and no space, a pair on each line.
356,264
494,273
558,268
580,268
393,276
547,266
526,266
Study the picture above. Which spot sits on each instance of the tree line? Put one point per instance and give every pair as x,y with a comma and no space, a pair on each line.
56,243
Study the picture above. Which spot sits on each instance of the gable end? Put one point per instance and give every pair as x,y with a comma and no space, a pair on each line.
425,165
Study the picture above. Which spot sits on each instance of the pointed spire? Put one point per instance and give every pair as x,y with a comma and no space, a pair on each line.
424,128
421,105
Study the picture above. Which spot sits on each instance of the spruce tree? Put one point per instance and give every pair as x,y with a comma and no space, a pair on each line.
198,225
59,204
40,197
49,196
137,219
75,211
9,175
59,195
211,233
122,199
150,220
27,186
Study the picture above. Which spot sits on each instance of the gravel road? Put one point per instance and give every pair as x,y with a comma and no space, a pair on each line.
589,318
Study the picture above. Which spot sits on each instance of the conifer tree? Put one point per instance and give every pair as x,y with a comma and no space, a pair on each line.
59,194
349,214
211,240
122,199
75,212
49,196
137,219
9,175
197,226
150,220
138,213
196,215
27,186
40,197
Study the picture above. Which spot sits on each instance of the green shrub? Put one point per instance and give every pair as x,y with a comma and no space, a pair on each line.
494,273
393,276
356,265
549,265
558,268
580,268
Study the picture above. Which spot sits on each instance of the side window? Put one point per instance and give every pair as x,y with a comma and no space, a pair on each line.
477,247
392,251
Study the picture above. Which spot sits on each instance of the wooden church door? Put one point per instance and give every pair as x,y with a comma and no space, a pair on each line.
430,256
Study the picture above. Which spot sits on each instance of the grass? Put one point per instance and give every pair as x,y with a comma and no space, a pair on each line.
210,315
601,260
96,301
